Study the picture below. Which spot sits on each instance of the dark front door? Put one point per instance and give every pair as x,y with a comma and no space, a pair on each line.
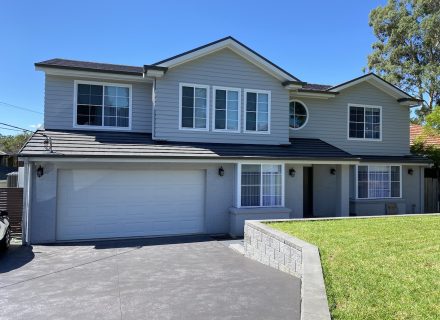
308,192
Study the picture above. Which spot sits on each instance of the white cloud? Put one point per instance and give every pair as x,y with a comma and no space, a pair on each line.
36,126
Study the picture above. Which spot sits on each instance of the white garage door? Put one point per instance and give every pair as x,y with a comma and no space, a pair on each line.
126,203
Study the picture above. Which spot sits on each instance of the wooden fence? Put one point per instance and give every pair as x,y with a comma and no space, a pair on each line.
431,195
11,200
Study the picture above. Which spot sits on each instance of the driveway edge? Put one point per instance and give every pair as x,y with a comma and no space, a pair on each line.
293,256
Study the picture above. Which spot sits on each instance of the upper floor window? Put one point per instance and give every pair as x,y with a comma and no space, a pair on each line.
257,113
378,181
365,122
194,106
226,109
102,105
298,115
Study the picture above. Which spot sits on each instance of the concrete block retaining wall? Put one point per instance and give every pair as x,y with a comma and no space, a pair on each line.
293,256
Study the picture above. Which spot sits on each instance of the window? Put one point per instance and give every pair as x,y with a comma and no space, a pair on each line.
364,122
193,107
226,109
261,185
257,111
297,115
102,105
378,181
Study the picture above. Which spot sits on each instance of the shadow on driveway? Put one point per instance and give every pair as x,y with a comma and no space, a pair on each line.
16,257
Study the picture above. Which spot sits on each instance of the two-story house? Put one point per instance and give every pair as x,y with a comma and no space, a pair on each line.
199,142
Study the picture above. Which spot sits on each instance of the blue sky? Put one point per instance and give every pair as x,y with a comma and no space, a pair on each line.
317,41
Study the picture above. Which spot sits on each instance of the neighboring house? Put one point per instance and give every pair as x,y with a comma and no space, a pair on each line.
416,133
199,142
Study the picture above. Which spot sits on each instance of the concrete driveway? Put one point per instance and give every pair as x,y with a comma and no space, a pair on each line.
168,278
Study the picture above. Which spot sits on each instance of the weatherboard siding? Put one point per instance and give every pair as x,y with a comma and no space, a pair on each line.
328,121
227,69
58,103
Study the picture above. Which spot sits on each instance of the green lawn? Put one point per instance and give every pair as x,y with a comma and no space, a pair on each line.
381,268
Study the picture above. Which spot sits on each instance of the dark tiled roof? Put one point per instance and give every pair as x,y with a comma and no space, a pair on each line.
91,66
316,87
412,158
126,144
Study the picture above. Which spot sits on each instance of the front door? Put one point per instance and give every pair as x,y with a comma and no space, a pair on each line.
308,192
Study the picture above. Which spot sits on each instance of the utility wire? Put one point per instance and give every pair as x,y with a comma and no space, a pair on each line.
18,107
15,127
48,139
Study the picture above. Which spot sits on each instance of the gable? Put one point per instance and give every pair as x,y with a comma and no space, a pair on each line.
234,45
226,68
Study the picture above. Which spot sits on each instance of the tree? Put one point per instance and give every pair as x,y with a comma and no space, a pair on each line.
407,50
431,128
13,143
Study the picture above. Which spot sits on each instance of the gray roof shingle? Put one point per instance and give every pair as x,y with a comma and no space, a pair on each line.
91,66
141,145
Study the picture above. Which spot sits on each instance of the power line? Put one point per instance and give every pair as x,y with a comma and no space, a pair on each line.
18,107
3,128
15,127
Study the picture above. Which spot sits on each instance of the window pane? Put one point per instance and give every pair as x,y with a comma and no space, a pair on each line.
200,112
233,95
220,119
220,94
272,187
84,89
232,125
250,185
110,111
200,123
123,102
251,101
200,103
96,90
188,92
187,122
187,112
110,91
263,98
122,122
122,112
123,92
109,101
110,121
200,93
96,100
83,99
251,119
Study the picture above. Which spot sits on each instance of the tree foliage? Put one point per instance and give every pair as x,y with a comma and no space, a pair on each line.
407,50
12,144
431,128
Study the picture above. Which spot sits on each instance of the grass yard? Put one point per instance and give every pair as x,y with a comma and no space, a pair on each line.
380,268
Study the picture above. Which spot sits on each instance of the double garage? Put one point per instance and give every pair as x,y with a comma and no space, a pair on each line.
109,203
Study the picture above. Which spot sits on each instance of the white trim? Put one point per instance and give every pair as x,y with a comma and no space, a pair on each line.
375,81
27,201
307,114
260,163
103,84
368,182
235,47
364,106
194,85
269,110
214,88
94,75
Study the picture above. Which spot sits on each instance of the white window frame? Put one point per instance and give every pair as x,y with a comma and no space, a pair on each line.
307,114
269,111
194,85
348,122
102,127
368,175
214,92
238,185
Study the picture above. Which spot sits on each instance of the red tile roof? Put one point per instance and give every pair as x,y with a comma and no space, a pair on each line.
416,130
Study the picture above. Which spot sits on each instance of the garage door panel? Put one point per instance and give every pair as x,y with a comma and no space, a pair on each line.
124,203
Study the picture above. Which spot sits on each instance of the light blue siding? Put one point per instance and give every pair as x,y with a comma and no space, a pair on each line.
58,103
328,120
227,69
